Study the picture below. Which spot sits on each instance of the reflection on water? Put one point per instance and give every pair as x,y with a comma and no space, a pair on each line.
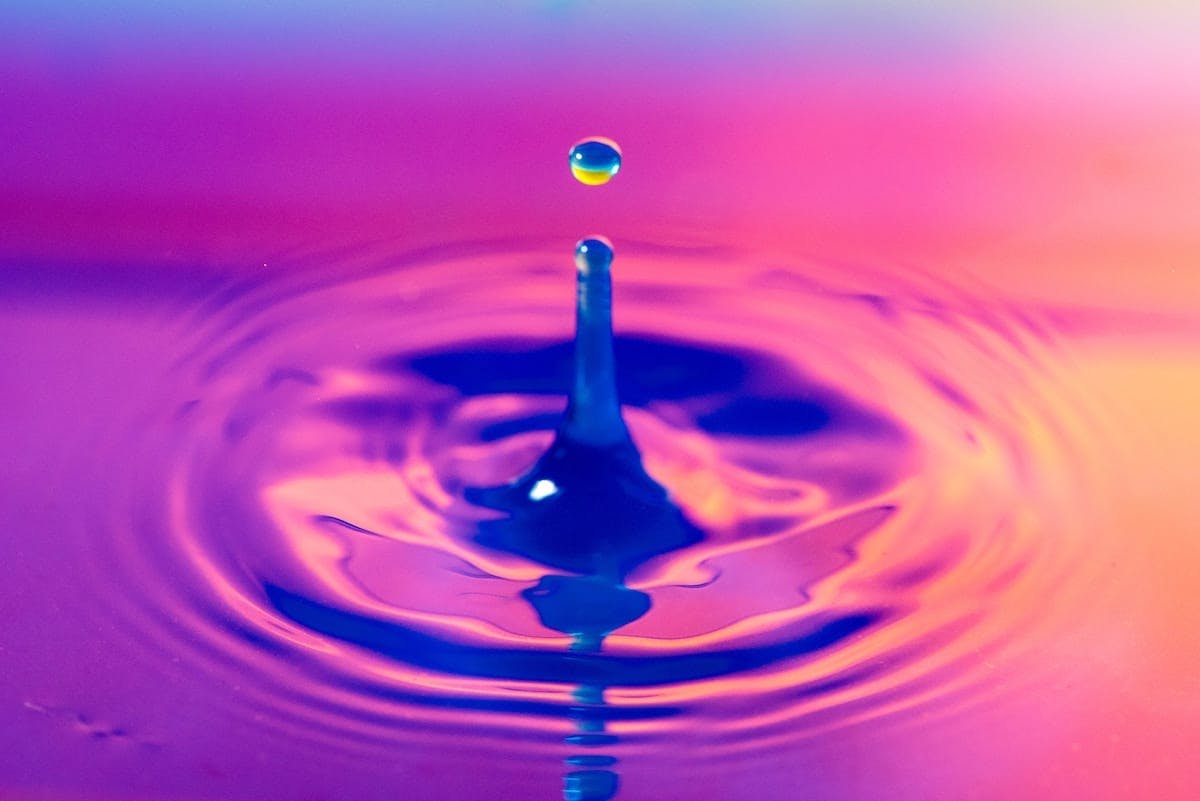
883,489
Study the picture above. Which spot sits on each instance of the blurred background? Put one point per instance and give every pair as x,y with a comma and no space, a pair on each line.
1030,143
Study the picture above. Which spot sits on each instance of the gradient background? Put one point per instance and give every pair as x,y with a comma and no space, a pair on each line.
1045,152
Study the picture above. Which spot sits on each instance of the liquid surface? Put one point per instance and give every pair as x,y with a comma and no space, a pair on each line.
893,488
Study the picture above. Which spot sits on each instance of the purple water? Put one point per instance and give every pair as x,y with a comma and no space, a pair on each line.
267,559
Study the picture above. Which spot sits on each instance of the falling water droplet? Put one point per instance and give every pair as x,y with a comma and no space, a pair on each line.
595,160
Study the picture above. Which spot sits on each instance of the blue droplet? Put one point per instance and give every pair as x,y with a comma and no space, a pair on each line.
593,255
595,160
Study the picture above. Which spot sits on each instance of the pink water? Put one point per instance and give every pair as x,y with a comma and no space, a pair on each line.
910,314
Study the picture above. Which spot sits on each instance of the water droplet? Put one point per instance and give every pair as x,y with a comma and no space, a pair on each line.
594,254
595,160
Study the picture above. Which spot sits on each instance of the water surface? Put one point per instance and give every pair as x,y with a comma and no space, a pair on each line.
905,329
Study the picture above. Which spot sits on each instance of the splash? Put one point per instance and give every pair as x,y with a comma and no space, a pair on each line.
382,528
587,505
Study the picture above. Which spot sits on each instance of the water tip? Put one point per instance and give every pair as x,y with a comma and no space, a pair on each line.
593,254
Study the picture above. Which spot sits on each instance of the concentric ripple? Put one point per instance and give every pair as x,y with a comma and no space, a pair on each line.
888,474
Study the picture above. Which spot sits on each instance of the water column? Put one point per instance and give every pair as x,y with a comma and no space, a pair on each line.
587,509
593,416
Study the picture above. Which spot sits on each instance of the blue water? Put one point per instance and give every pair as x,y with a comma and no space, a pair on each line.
588,507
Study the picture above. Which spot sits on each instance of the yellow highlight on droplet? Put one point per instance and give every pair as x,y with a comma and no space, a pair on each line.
591,177
595,160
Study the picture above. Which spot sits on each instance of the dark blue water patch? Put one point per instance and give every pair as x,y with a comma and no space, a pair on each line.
591,760
751,416
759,395
587,607
519,425
647,369
413,647
583,509
591,740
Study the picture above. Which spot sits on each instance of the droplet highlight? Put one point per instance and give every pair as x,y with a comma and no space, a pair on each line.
595,160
